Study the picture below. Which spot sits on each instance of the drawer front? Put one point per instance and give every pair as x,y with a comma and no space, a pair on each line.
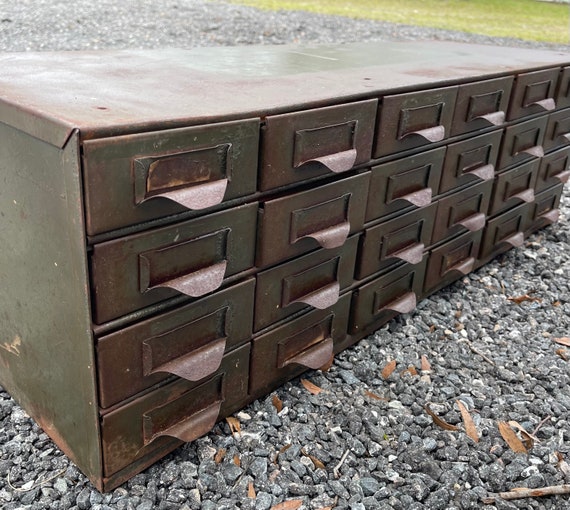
403,238
557,130
523,142
190,258
514,187
136,178
554,169
504,232
313,280
563,92
188,342
324,141
407,121
452,260
544,210
470,161
307,342
387,296
481,105
533,93
462,211
408,182
179,411
321,217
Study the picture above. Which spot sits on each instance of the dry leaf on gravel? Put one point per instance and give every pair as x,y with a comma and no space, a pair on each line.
251,491
310,387
282,450
438,421
511,438
277,403
562,353
521,299
388,369
234,424
316,462
374,396
563,341
528,439
426,367
410,370
292,504
470,428
237,460
220,454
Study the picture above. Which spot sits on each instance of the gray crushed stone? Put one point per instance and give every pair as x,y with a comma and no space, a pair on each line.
395,457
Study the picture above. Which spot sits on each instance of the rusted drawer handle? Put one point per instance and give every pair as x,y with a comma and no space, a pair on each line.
331,237
566,136
493,118
186,430
419,198
314,357
403,304
194,179
537,151
551,216
464,267
474,222
431,134
321,298
546,104
516,240
485,172
412,254
337,163
563,176
526,195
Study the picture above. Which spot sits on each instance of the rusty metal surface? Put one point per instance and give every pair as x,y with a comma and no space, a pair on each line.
191,257
513,187
301,222
544,210
534,93
504,232
557,130
522,142
185,87
554,169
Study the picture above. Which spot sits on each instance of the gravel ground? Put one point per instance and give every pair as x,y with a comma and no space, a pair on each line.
394,456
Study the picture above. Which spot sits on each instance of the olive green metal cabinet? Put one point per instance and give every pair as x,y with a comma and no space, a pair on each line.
183,231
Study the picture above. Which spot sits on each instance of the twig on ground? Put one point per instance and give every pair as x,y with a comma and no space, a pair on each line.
537,428
341,462
522,492
477,351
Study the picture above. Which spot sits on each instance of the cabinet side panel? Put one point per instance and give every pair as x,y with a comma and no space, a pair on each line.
46,347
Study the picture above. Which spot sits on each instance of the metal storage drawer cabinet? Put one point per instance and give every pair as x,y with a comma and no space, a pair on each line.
175,249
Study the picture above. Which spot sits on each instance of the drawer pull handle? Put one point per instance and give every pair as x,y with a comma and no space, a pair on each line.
537,151
413,254
186,430
314,357
516,240
493,118
193,366
563,176
566,136
485,172
546,104
526,195
403,304
474,222
196,197
323,297
464,267
551,216
337,163
332,237
419,198
431,134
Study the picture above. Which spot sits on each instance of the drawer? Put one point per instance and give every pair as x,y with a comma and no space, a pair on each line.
320,217
188,342
545,209
452,260
136,178
504,232
387,296
470,161
307,342
533,93
313,280
411,120
563,92
522,142
481,105
514,187
324,141
554,169
406,182
179,411
403,238
191,258
557,130
463,211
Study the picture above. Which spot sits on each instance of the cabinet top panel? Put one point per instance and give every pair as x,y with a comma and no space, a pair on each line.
106,93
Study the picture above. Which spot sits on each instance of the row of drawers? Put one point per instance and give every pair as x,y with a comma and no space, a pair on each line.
133,179
222,365
196,257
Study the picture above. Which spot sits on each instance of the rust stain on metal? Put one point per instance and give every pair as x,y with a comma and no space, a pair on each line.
13,347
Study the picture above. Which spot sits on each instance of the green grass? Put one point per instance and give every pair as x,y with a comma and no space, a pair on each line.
523,19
